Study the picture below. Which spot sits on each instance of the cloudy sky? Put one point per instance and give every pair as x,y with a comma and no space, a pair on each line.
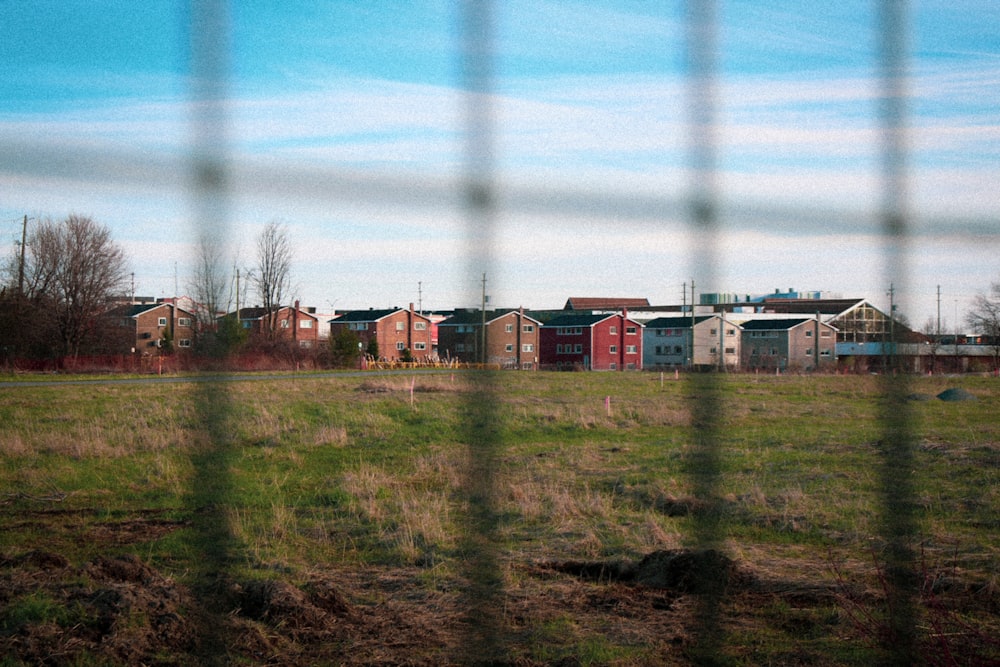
346,122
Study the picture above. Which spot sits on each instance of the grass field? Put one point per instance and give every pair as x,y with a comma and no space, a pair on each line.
325,519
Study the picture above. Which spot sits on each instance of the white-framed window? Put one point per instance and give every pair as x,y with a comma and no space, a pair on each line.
630,331
357,326
509,328
400,345
613,349
420,346
527,347
730,332
809,352
305,343
578,348
631,349
400,326
284,324
509,347
809,333
162,322
613,366
824,333
824,353
184,342
528,328
305,324
183,321
419,326
613,330
568,331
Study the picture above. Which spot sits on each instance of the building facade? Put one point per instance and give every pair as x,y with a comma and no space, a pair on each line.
592,342
509,339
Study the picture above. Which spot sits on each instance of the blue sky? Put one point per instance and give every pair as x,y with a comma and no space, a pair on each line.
589,101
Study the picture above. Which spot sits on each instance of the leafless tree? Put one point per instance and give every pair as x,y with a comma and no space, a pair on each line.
72,269
210,283
272,276
984,318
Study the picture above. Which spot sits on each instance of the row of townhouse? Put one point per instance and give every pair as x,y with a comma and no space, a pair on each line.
587,333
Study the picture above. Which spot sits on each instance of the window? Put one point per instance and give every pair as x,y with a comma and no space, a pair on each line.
420,346
527,347
357,326
824,353
809,352
400,345
824,333
613,366
568,331
284,324
183,321
509,347
714,332
305,343
578,348
809,333
613,330
305,324
184,342
613,349
400,326
420,326
247,324
528,328
509,328
730,332
631,349
460,347
630,331
162,322
730,350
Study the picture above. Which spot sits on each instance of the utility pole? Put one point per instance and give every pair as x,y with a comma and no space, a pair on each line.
892,325
692,323
20,266
939,311
420,297
482,335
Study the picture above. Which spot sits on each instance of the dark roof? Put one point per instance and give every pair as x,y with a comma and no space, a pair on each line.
134,309
774,325
579,320
476,317
676,322
370,315
603,303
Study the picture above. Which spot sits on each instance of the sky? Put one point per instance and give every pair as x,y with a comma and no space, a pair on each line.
346,122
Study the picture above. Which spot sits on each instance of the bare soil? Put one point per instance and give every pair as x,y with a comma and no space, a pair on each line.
119,610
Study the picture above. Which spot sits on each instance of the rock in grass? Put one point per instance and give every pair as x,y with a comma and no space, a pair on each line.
956,394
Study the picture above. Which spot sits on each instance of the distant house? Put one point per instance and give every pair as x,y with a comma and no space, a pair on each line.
511,338
594,342
667,342
396,331
291,324
796,344
588,303
148,329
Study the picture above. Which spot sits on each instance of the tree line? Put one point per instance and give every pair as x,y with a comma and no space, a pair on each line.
65,275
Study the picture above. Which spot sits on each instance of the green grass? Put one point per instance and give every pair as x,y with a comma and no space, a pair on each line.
323,470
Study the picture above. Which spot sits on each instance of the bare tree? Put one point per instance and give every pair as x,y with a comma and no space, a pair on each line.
210,288
984,318
72,269
272,276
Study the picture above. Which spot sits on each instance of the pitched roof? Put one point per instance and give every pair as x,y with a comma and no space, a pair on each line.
775,325
604,303
676,322
370,315
576,320
476,317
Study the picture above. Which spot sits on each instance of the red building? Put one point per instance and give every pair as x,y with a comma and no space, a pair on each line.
600,342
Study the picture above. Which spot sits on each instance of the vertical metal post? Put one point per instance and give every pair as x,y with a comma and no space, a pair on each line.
703,460
898,519
483,594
